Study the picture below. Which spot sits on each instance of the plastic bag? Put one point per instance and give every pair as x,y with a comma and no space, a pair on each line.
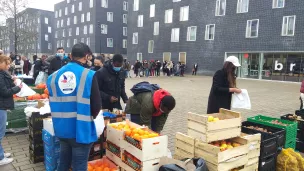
99,124
286,161
25,90
241,100
299,158
200,165
171,167
41,78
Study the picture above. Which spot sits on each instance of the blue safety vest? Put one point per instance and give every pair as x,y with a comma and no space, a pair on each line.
70,91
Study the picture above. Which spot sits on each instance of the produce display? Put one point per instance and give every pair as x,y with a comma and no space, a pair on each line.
294,117
213,119
44,94
100,166
225,144
278,123
258,128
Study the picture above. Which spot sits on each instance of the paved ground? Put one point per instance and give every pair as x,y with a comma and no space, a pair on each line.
267,98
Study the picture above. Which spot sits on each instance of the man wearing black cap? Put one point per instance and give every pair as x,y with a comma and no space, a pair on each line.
74,102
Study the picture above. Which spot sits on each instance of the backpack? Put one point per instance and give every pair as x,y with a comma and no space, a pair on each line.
144,87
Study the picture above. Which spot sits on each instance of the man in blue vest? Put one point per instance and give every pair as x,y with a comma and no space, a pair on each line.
74,102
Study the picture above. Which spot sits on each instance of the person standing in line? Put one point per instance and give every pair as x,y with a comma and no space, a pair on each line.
98,63
153,67
75,102
128,67
224,85
27,66
182,69
137,66
194,70
57,61
169,68
40,65
164,68
158,66
7,90
146,68
111,81
18,65
125,68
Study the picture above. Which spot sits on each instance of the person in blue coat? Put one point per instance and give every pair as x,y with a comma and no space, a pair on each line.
75,102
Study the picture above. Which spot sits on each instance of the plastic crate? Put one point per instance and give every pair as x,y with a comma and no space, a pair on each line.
300,113
36,120
300,146
300,123
277,132
268,164
300,135
291,128
36,143
35,158
291,144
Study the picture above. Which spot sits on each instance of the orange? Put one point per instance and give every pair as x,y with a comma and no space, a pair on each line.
106,169
136,136
141,132
128,132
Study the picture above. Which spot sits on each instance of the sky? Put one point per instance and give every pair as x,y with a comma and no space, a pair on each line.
43,4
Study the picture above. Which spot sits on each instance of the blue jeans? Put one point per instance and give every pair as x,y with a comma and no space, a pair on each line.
3,118
73,153
147,73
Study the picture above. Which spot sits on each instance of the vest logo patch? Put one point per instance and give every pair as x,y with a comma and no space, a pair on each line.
67,82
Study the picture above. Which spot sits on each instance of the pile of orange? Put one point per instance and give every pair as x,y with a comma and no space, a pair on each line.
41,86
38,97
136,133
100,166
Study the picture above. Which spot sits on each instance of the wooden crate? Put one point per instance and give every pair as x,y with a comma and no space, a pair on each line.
225,160
184,146
228,127
254,142
149,165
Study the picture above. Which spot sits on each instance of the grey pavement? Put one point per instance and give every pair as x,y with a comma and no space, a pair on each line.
267,98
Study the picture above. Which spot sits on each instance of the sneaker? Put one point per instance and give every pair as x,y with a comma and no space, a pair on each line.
7,155
6,161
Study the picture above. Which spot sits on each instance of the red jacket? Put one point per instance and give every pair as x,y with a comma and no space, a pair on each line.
157,98
302,87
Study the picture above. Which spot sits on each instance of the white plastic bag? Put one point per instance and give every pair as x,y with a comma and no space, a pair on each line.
25,90
41,78
99,124
241,100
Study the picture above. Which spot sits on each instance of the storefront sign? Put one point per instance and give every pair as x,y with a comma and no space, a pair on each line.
279,66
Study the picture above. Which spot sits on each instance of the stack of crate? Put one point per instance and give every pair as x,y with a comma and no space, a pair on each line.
201,138
35,125
130,154
254,151
16,118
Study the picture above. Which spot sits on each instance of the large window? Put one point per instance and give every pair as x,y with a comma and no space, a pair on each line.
75,19
209,33
75,41
252,29
220,9
175,35
140,21
63,33
104,29
150,46
135,38
139,57
88,41
80,6
110,16
104,3
152,10
82,18
62,23
68,21
191,33
124,18
56,34
242,6
124,43
56,14
77,31
85,29
49,46
125,6
66,11
288,27
156,28
73,9
168,16
68,43
136,5
49,29
88,16
125,31
60,13
278,3
91,3
70,31
109,42
184,13
91,29
46,37
46,20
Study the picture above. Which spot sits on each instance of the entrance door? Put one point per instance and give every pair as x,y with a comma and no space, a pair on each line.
250,65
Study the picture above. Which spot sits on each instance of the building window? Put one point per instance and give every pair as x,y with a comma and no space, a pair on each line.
109,42
242,6
56,14
91,3
62,23
156,28
80,6
184,13
82,40
104,3
85,29
252,29
91,29
140,21
68,1
288,27
46,20
63,33
182,57
38,20
75,41
49,46
125,6
60,13
125,19
220,9
175,35
191,33
136,5
88,41
70,31
104,29
75,19
46,37
125,31
124,43
150,46
110,16
66,11
176,0
209,33
88,16
168,16
135,38
72,9
49,29
278,3
68,21
139,57
77,31
82,18
68,43
56,34
152,10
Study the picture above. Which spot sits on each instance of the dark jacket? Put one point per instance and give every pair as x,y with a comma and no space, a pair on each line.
142,104
137,66
39,66
219,97
27,66
111,83
7,90
55,64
